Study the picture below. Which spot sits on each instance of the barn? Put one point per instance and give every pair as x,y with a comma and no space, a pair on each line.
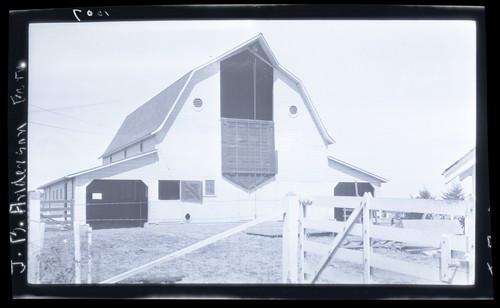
463,171
225,142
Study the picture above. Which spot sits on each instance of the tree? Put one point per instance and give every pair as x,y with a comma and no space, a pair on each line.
425,194
422,194
456,192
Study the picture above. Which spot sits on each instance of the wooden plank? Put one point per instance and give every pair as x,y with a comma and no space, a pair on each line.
55,201
291,240
78,257
59,209
407,268
349,202
470,232
416,237
89,255
308,269
315,247
457,208
443,226
189,249
302,238
331,226
323,225
367,242
336,243
55,216
444,263
349,255
342,254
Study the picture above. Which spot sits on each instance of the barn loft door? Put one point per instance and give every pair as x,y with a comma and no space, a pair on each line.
248,153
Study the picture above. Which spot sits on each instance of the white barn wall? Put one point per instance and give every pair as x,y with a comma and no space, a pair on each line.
189,148
301,150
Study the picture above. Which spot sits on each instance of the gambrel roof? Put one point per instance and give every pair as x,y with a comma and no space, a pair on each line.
149,118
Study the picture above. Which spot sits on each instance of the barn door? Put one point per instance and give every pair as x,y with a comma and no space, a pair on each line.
117,204
349,189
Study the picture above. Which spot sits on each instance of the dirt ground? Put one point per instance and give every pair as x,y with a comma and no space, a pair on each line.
240,258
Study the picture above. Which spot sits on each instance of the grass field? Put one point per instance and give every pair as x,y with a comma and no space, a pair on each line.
240,258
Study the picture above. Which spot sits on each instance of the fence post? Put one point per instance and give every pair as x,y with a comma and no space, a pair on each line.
291,239
470,233
34,236
302,206
444,264
72,210
76,232
89,254
367,245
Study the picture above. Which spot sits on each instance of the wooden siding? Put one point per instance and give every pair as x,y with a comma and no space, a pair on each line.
189,148
302,154
134,150
117,156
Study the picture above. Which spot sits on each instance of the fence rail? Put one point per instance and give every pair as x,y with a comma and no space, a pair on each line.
57,211
298,246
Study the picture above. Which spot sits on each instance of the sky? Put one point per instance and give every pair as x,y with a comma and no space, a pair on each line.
398,97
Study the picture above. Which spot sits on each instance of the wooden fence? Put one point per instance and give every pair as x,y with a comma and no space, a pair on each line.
57,213
299,247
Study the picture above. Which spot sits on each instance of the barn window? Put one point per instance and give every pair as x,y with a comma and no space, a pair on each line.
209,188
168,190
197,104
293,111
192,191
186,191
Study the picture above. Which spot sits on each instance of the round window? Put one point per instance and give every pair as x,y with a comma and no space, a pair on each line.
293,111
197,104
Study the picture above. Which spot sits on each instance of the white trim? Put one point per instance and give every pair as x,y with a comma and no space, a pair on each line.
381,179
462,166
260,38
175,103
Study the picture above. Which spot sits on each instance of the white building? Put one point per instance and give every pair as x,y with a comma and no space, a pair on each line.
225,142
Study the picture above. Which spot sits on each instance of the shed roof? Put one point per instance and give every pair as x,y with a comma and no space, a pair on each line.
372,175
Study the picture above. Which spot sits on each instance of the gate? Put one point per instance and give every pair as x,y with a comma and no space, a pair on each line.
301,252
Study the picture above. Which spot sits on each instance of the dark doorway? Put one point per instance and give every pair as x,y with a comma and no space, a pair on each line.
117,204
349,189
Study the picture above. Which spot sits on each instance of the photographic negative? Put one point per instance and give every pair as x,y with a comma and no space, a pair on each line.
252,152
